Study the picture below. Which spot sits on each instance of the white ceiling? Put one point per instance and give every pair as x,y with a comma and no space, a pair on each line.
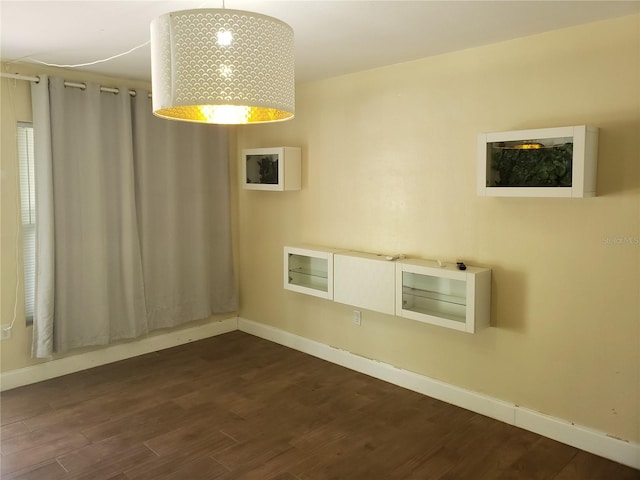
332,37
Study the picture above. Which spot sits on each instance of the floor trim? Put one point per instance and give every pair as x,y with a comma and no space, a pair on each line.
583,438
114,353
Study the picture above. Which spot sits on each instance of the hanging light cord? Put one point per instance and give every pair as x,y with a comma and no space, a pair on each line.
7,328
94,62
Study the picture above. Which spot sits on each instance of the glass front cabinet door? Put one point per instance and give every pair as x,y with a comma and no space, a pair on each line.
548,162
309,270
444,296
275,168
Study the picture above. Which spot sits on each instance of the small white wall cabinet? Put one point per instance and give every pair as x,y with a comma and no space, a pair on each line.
275,168
547,162
364,280
309,270
445,296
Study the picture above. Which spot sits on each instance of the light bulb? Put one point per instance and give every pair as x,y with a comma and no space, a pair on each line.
225,114
225,37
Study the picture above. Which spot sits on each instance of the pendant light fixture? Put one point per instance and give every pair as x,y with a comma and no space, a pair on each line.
222,66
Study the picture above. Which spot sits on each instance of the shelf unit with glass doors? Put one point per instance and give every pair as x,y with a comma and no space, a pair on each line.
545,162
276,168
443,295
309,270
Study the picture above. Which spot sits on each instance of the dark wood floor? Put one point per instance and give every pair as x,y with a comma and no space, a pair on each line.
238,407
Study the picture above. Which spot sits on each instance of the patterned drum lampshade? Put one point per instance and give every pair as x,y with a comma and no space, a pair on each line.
222,66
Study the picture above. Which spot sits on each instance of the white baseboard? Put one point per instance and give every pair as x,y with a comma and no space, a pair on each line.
583,438
113,353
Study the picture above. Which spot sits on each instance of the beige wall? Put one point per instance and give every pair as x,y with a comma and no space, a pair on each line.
389,166
15,106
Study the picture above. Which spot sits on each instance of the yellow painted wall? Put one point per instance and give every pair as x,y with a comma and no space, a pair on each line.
15,106
389,166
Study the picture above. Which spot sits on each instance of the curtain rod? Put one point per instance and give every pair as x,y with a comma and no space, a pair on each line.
17,76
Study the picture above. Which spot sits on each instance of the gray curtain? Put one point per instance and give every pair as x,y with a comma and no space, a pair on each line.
140,221
182,191
45,238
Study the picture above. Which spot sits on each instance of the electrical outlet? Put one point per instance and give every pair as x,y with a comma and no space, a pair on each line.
5,331
357,317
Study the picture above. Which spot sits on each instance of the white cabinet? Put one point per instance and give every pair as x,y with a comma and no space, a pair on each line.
445,296
415,289
364,280
275,168
547,162
309,270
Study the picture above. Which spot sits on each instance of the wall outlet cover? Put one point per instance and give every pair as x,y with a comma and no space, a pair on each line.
5,331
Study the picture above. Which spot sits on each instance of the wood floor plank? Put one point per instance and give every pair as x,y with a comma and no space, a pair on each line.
496,439
260,449
584,466
544,460
285,476
12,429
115,466
41,453
516,443
143,423
121,435
183,463
192,435
28,441
22,403
262,468
238,407
49,471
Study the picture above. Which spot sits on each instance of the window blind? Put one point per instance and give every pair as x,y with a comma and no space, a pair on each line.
28,214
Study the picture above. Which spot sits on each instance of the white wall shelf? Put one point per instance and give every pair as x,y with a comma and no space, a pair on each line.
309,270
445,296
416,289
509,163
277,168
